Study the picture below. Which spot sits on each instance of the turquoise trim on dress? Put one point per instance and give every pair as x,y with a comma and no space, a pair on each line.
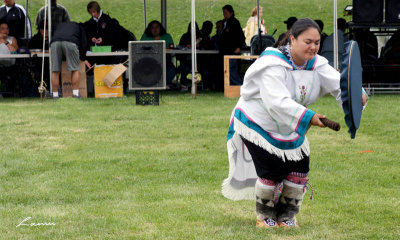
231,132
304,122
310,63
284,144
276,54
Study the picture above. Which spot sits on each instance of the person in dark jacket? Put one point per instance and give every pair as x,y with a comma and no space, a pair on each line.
69,41
59,14
37,40
232,34
99,28
102,30
232,40
14,15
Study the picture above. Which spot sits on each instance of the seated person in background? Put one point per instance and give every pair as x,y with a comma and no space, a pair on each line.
216,39
155,31
185,60
289,23
69,41
14,15
327,48
59,14
37,40
323,35
206,30
8,45
186,38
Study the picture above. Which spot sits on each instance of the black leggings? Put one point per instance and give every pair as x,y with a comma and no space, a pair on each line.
272,167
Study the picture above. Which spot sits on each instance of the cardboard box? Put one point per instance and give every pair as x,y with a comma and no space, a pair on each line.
101,90
67,83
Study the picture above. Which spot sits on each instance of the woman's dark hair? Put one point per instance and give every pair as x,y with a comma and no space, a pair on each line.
207,27
298,28
229,8
41,25
148,29
93,5
189,30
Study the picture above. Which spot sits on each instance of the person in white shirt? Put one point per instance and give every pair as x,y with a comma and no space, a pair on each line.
251,28
8,45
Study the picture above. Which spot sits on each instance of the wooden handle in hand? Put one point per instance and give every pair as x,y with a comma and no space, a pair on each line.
330,124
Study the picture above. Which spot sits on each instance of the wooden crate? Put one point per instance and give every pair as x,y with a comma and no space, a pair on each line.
232,91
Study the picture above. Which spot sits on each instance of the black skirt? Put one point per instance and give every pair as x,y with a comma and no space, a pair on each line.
272,167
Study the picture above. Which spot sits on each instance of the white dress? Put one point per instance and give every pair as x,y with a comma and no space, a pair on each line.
272,113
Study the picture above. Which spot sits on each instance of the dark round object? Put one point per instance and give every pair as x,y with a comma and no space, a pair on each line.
147,72
351,87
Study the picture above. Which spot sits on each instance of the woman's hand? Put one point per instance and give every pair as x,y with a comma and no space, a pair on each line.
315,120
364,99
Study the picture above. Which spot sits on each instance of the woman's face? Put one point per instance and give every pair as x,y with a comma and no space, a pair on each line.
4,29
306,46
227,14
155,30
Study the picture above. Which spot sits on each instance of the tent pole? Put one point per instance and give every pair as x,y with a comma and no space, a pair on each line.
26,19
335,37
260,47
193,45
164,14
50,32
145,14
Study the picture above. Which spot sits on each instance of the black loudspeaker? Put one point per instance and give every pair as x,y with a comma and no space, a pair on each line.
147,65
367,11
392,11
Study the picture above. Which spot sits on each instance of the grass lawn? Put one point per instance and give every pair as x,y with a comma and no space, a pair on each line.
108,169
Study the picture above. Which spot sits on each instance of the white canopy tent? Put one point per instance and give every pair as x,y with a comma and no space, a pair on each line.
193,30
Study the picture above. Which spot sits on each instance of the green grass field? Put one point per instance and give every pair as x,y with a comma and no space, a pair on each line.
108,169
131,16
